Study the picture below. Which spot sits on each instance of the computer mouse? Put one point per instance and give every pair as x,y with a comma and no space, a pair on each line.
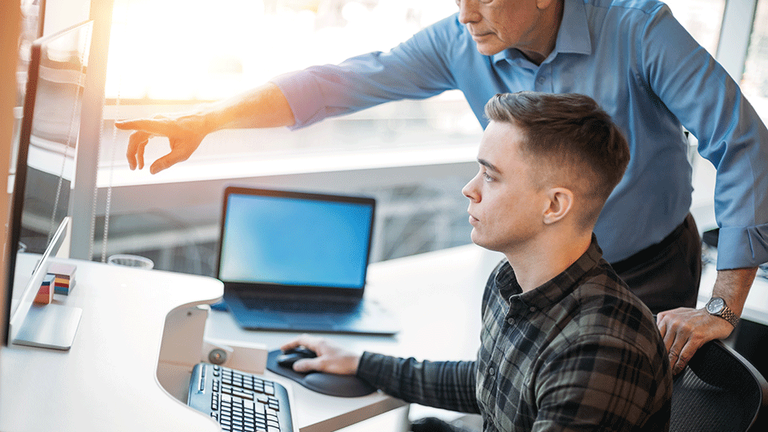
325,383
291,356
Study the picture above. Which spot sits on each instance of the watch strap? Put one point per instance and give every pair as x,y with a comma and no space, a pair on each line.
728,315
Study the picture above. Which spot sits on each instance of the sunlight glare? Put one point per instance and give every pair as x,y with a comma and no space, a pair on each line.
204,50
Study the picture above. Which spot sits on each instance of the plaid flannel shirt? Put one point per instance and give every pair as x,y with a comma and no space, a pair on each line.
579,352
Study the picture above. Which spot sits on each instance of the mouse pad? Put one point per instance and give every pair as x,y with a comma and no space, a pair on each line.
325,383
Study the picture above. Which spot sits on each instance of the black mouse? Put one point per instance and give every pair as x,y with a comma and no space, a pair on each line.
291,356
325,383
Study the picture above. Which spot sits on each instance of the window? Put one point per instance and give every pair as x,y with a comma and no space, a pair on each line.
168,53
754,82
203,50
184,52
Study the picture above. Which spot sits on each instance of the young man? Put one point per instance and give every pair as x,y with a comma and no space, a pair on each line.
564,344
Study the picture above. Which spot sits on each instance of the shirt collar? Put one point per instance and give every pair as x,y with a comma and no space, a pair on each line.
555,289
572,37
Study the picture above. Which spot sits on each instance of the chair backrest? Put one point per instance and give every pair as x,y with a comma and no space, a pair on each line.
719,391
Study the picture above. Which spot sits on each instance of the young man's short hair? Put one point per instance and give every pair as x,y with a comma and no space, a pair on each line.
581,147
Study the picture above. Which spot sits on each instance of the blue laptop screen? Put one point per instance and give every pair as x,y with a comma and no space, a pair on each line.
294,241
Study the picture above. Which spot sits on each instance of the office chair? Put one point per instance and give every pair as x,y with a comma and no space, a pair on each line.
719,391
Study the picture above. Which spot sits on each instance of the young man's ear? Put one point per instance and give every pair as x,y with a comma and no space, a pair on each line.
560,204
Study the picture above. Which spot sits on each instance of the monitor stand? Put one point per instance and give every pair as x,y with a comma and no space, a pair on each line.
49,326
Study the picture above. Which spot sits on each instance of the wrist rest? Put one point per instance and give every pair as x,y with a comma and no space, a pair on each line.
325,383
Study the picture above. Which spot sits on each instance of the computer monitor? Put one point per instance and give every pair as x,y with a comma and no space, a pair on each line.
44,171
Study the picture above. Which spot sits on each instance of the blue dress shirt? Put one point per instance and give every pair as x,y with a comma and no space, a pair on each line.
644,69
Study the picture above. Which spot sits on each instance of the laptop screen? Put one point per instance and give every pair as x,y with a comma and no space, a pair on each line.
295,239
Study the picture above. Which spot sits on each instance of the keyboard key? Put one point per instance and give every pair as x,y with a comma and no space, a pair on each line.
242,394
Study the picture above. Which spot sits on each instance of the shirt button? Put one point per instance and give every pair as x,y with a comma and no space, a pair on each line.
491,371
532,309
511,321
541,80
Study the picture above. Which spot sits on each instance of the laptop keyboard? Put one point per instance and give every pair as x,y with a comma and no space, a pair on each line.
239,401
302,306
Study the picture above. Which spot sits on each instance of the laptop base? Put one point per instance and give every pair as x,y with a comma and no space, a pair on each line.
368,318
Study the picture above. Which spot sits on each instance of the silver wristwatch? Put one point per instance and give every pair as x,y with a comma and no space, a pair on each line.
716,306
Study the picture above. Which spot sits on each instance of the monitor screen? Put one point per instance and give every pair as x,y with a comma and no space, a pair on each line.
44,161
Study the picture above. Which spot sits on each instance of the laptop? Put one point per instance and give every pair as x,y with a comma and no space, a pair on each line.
297,261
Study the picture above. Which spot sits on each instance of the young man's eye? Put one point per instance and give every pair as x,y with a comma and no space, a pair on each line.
487,177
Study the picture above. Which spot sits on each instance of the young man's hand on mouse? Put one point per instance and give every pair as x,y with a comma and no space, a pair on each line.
330,358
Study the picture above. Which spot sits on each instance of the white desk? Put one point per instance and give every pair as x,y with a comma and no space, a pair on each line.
107,381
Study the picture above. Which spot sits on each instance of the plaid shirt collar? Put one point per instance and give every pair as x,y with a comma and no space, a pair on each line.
550,292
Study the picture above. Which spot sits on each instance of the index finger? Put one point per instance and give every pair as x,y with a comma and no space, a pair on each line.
152,126
304,340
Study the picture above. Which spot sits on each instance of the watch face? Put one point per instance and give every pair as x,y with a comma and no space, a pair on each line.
715,305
